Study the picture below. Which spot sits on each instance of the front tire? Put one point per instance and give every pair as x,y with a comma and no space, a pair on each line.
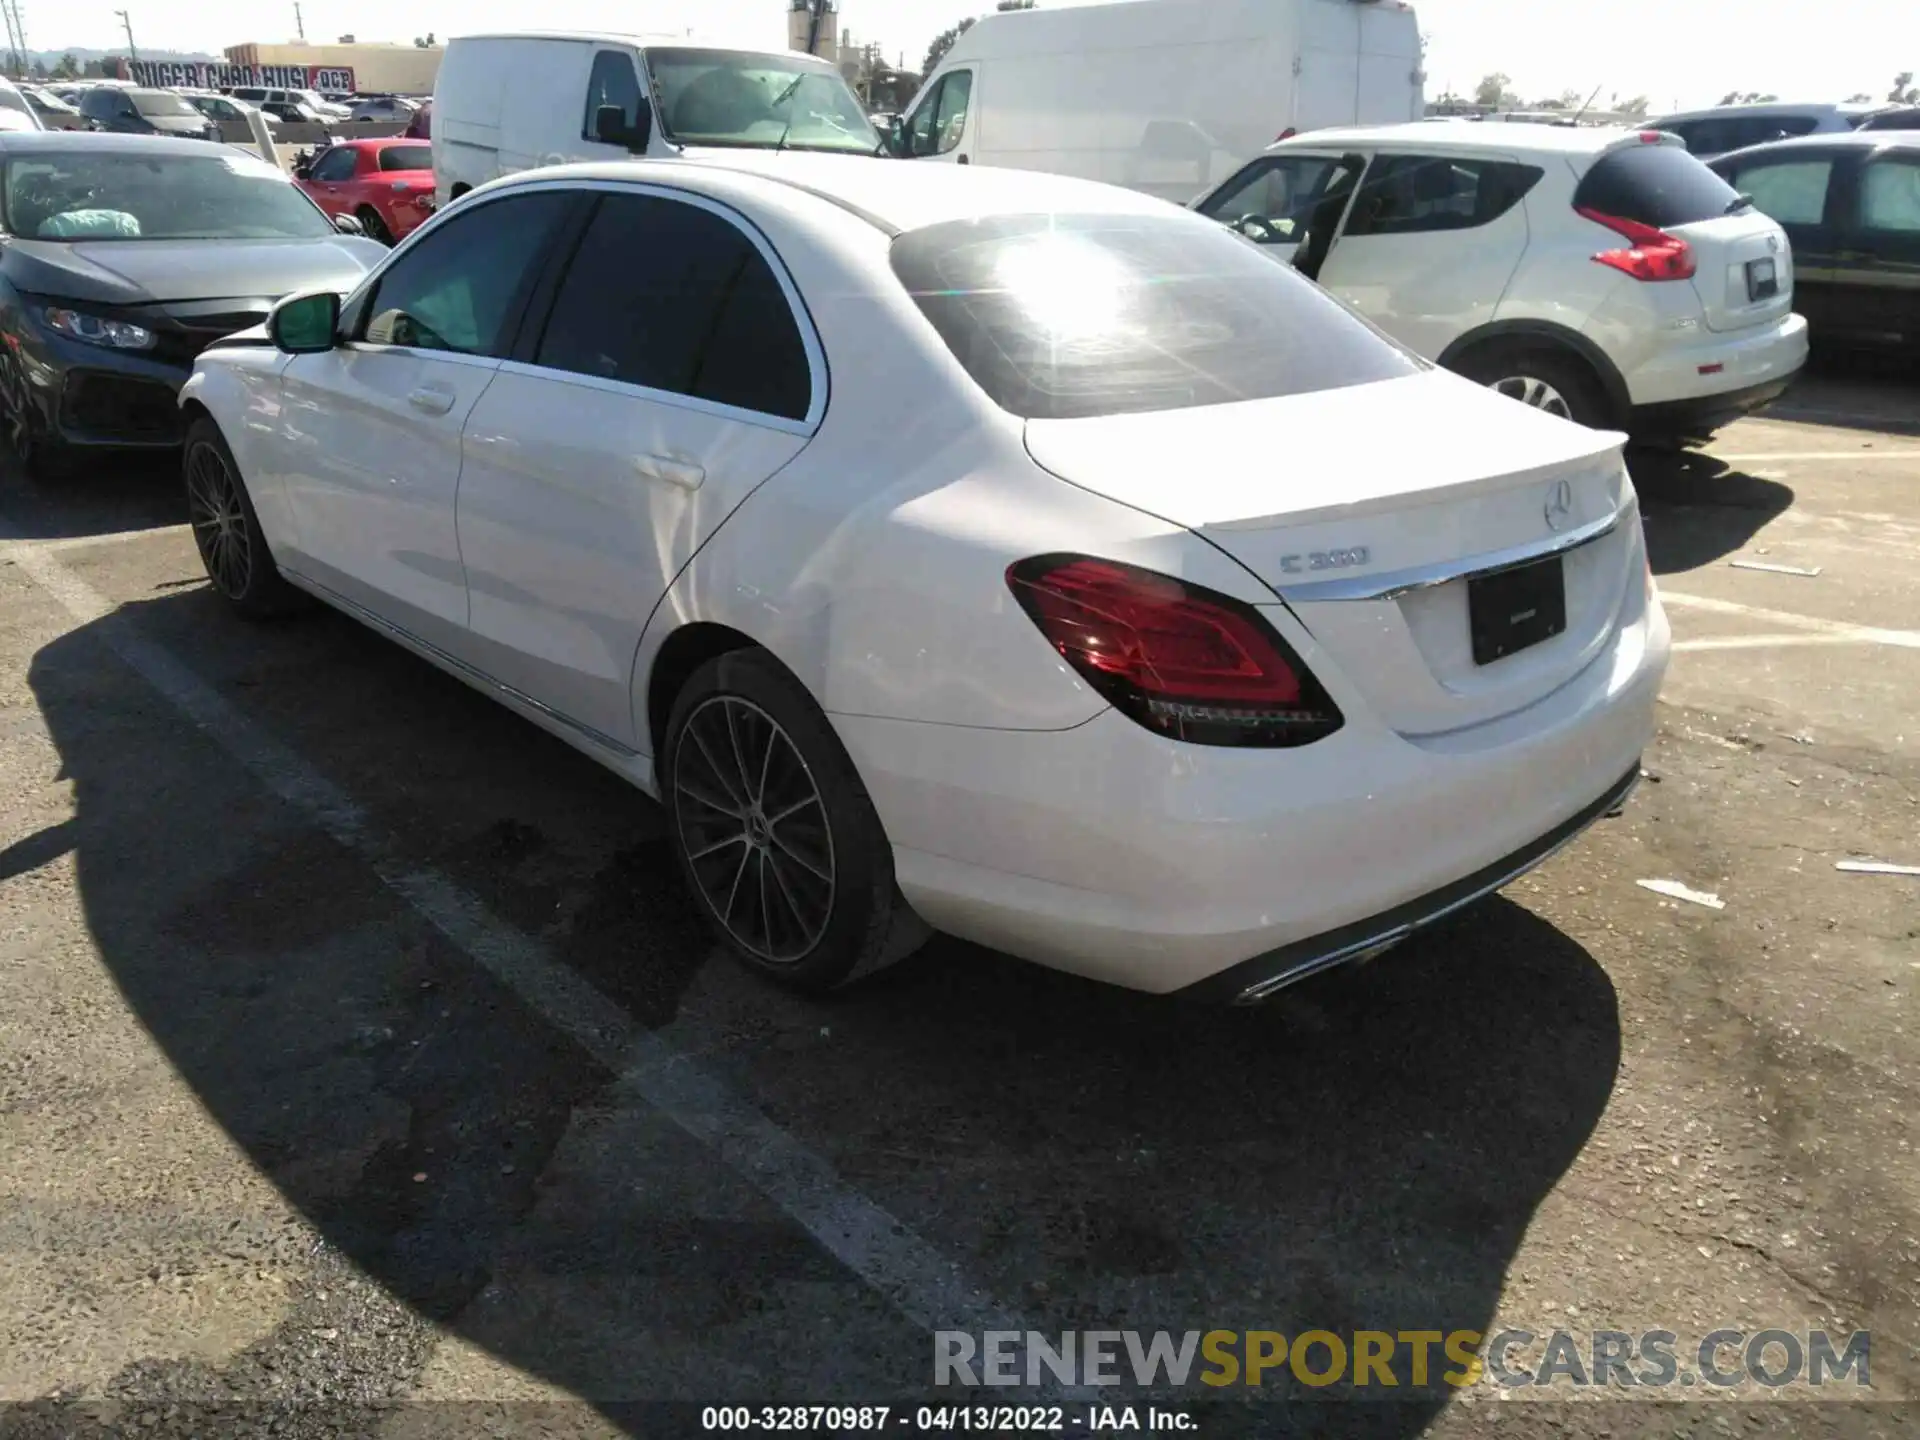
774,832
1544,379
227,532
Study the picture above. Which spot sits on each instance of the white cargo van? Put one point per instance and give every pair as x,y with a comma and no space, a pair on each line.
1165,96
503,103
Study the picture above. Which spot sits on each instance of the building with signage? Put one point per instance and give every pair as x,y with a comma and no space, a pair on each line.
377,69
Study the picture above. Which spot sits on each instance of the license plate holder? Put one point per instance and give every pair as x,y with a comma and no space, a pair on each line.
1514,609
1763,279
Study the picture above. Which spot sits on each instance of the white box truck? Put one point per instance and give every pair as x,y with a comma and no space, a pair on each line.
1165,96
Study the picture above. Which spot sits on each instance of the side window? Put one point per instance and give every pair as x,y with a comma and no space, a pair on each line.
335,165
1890,197
1280,191
613,81
461,287
1414,194
694,311
950,110
1793,192
936,127
1686,131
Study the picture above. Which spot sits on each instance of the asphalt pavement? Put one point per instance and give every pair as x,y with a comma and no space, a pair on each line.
363,1068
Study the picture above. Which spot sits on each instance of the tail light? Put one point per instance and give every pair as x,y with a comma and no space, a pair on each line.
1286,134
1651,254
1183,661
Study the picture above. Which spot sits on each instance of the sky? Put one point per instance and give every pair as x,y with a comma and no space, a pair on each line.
1677,52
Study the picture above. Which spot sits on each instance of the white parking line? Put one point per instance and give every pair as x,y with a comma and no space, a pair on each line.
82,542
1838,631
1766,642
1783,456
910,1274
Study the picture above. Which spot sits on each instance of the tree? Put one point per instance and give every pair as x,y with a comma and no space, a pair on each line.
1904,91
1747,97
1006,5
1636,108
943,42
1492,90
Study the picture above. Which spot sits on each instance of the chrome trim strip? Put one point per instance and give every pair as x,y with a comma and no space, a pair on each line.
1394,583
478,677
1393,934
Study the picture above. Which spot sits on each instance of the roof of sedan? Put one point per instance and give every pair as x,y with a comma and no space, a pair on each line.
42,142
895,195
1490,135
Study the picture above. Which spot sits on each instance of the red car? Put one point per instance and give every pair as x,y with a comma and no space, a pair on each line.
386,184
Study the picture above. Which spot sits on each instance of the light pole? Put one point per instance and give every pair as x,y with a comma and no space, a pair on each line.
126,20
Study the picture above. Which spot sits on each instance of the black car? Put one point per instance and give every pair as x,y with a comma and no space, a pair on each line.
294,113
1850,204
121,259
125,111
1904,117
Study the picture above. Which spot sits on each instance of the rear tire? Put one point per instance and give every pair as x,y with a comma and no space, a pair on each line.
375,227
774,832
227,532
1545,378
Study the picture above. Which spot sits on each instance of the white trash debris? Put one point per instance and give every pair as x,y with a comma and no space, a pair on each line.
1876,867
1774,569
1675,890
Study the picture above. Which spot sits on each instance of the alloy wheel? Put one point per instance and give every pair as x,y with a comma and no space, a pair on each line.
754,828
219,521
1530,390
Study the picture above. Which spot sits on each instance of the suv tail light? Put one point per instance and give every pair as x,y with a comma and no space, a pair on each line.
1651,254
1182,661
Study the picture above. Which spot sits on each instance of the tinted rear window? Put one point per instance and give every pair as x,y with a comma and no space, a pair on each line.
1658,185
1059,317
407,157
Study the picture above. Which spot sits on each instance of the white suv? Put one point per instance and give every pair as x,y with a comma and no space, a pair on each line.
1605,275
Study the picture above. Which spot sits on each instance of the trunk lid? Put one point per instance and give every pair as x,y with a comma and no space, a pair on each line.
1365,508
1737,254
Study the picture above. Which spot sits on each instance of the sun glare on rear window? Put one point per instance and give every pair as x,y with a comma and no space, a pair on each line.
1062,317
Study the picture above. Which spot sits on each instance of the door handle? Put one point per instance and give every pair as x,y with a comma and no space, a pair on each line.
434,399
685,474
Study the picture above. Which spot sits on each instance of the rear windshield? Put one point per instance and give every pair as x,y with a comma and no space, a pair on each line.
407,157
1059,317
1657,185
161,102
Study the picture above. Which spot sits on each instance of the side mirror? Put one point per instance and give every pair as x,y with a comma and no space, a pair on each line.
610,128
349,225
305,324
303,170
897,137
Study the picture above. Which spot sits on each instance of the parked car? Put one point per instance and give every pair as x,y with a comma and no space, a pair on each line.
47,106
509,102
1851,206
293,112
267,96
16,111
1605,275
1056,666
144,112
1165,96
123,257
1715,131
1903,117
384,109
385,184
224,110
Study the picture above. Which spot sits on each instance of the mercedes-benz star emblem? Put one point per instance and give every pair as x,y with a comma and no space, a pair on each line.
1559,507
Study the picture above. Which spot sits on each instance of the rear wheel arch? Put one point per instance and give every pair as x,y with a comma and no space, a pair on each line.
1540,335
681,654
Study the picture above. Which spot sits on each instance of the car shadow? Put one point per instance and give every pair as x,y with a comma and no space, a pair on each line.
1696,508
105,497
1850,388
1365,1153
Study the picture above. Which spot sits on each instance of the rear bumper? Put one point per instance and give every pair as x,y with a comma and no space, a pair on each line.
1695,388
1113,853
1254,980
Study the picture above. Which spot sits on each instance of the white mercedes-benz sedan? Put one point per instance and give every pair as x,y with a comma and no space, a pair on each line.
958,549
